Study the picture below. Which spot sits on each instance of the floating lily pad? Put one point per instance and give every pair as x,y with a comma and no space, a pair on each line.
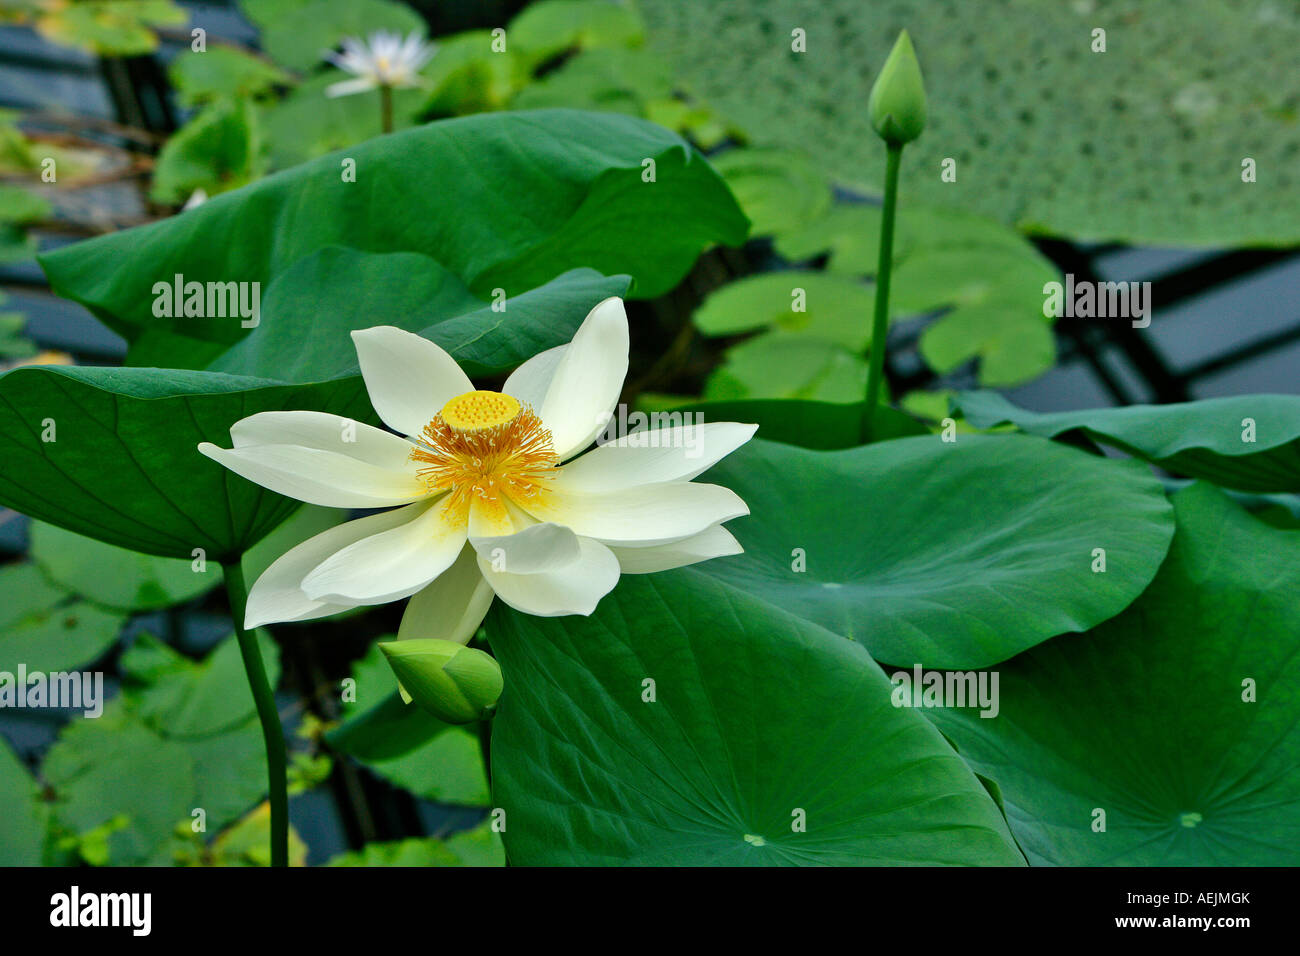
848,234
478,847
115,767
182,737
297,35
993,298
603,79
26,817
831,308
985,279
1143,143
552,26
778,189
308,123
45,628
468,76
109,28
1179,719
183,699
115,577
223,72
788,366
248,842
218,150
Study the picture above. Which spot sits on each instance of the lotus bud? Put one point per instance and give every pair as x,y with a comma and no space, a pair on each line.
453,682
897,103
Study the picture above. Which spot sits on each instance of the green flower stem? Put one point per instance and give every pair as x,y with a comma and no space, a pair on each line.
263,696
485,747
386,108
880,323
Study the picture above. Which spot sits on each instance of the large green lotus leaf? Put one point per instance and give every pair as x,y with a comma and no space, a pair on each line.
503,200
115,577
1246,442
45,628
1180,719
831,308
311,307
953,555
124,466
759,722
131,475
26,817
1142,143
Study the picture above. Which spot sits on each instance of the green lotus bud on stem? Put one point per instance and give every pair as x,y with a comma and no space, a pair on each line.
897,103
453,682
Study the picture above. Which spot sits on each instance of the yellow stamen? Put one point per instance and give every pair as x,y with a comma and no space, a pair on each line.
485,444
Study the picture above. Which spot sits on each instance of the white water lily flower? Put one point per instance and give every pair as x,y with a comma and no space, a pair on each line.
488,500
383,59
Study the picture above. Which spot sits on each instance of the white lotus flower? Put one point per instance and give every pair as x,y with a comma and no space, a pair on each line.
383,59
490,499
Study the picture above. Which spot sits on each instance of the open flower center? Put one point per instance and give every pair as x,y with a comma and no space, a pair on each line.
485,444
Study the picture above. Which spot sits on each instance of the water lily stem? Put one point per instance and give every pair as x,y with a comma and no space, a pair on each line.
264,698
880,322
386,108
